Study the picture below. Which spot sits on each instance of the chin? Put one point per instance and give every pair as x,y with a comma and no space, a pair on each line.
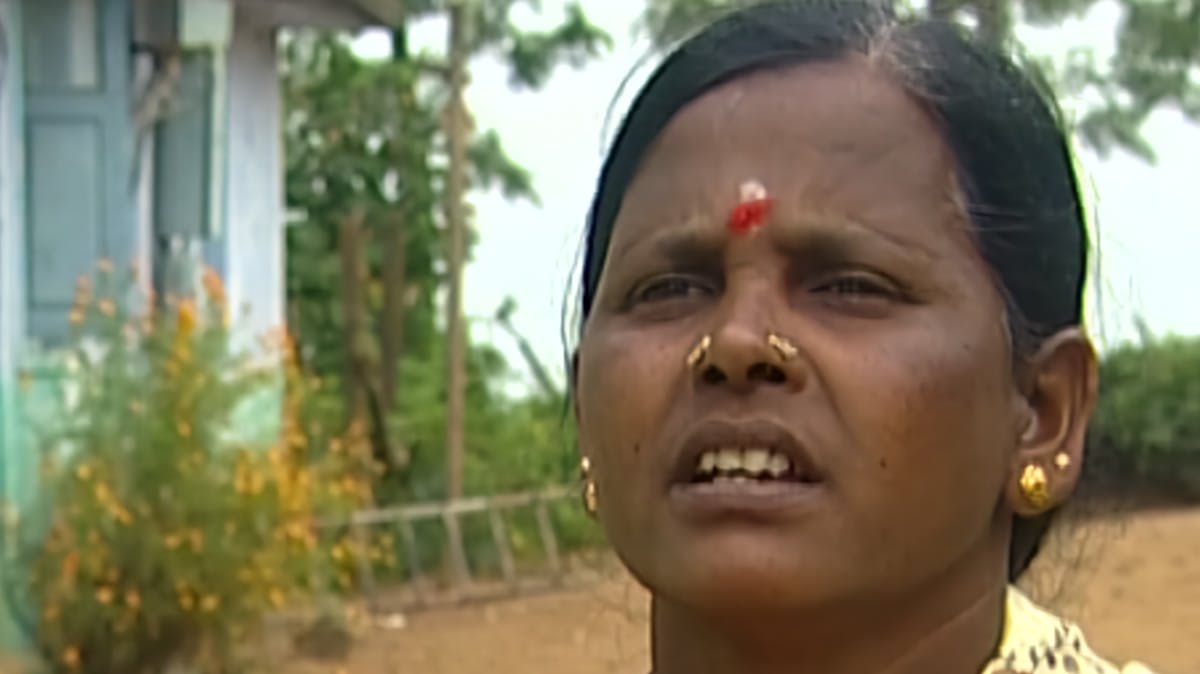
747,580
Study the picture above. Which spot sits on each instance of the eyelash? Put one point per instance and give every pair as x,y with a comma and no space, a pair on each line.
850,288
641,294
857,285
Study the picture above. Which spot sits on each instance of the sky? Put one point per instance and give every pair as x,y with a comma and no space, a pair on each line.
1149,230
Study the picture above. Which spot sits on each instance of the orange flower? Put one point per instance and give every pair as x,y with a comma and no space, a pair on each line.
108,307
105,595
76,317
70,657
209,603
133,600
213,287
185,322
70,566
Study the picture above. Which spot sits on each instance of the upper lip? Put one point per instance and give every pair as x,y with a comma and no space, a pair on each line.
716,434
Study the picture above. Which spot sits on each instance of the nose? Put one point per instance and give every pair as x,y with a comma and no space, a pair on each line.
742,355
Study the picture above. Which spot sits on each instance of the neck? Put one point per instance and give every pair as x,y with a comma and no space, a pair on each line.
953,630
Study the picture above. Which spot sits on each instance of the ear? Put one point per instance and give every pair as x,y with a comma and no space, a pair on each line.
1061,389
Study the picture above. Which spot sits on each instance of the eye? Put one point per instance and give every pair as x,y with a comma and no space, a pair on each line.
856,285
670,288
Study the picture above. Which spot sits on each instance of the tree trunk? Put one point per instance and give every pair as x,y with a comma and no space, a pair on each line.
457,127
354,314
395,261
395,307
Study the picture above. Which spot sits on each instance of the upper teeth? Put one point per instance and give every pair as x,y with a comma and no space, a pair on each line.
751,460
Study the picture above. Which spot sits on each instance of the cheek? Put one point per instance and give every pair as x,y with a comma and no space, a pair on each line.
932,423
624,387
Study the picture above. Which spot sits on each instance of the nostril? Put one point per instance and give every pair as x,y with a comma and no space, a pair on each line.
766,372
713,375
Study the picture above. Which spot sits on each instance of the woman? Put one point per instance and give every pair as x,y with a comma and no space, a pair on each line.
831,382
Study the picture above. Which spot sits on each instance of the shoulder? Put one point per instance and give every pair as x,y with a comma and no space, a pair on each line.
1036,641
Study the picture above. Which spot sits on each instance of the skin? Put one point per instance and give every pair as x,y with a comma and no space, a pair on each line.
904,391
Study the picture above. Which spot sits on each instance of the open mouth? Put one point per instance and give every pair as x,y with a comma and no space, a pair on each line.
741,465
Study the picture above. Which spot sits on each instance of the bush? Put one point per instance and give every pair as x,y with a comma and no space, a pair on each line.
1147,421
169,534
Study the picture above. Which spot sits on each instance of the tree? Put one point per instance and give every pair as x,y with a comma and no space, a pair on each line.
391,144
457,123
1157,55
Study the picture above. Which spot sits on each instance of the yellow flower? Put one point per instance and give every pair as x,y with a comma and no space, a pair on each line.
185,322
123,516
210,603
108,307
76,317
70,657
105,265
83,471
184,428
186,601
105,595
172,541
132,599
276,597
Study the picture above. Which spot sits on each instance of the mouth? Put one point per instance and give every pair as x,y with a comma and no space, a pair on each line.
743,465
742,452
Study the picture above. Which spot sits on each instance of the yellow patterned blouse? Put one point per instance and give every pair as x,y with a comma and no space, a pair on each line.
1036,642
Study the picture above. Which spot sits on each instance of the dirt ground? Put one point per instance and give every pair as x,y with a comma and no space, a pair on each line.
1133,582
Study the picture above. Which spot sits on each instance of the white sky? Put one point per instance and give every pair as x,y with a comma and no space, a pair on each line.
1150,233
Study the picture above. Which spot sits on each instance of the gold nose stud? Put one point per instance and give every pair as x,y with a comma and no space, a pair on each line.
782,346
700,352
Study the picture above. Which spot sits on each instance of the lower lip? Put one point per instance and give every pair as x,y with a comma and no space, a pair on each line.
746,498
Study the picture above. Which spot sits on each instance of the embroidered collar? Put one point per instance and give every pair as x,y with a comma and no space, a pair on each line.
1037,642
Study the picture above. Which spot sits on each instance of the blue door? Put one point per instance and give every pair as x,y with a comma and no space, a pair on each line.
79,150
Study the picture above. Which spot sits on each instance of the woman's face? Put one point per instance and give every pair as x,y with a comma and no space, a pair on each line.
899,407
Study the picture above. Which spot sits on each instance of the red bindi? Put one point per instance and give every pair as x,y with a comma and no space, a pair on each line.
753,209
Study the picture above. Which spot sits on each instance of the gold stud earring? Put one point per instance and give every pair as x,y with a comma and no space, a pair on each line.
591,500
1035,486
699,352
782,346
1062,461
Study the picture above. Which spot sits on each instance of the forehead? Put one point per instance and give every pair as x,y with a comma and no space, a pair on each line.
839,138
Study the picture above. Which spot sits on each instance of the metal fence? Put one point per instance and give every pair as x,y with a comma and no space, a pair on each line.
462,586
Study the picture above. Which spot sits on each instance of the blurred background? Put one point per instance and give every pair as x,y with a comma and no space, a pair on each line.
286,288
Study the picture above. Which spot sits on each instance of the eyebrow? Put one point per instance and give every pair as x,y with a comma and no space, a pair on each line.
835,237
815,236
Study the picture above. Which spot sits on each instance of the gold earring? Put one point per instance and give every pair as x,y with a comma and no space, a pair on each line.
1035,486
1062,461
782,346
591,500
699,352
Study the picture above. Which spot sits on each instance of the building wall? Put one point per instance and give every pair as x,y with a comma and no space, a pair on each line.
12,287
250,247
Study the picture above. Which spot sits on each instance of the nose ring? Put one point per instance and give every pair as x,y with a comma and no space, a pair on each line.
699,352
782,346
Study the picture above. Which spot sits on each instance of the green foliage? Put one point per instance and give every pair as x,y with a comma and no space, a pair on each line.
1148,417
533,56
169,537
1153,68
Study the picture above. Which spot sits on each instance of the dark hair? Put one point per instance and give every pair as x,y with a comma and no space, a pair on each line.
1015,167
